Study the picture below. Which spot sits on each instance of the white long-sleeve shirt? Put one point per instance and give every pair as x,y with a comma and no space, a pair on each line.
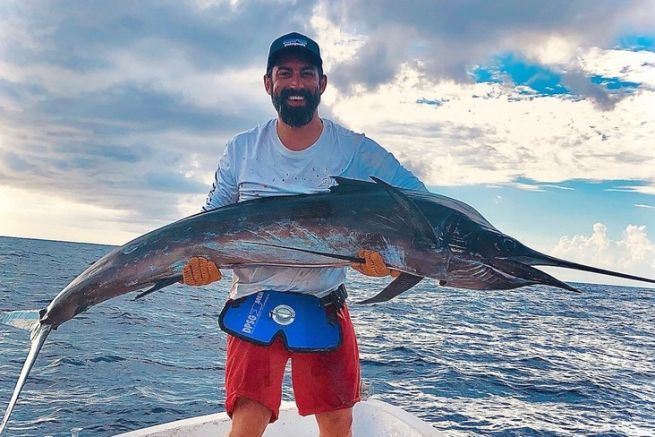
256,164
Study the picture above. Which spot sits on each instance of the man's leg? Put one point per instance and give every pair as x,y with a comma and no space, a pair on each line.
253,384
249,418
336,423
327,384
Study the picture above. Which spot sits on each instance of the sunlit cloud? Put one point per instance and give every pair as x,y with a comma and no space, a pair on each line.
558,187
490,133
635,189
633,253
59,219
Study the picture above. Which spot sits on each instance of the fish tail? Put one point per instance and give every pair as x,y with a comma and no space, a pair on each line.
20,319
39,332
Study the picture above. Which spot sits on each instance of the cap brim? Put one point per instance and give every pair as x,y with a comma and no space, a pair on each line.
313,57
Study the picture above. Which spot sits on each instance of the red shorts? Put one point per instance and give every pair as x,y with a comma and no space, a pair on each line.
322,381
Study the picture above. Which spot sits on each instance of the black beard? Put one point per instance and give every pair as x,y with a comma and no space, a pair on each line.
292,115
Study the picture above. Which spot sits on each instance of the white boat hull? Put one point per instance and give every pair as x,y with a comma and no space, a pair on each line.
371,418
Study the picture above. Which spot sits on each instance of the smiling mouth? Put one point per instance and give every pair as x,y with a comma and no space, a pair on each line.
298,99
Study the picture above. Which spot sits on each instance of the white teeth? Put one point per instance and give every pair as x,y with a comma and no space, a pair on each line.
295,97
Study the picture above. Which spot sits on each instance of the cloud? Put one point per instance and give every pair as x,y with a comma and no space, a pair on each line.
62,219
494,133
452,37
633,253
579,83
528,187
127,106
451,41
81,35
644,189
558,187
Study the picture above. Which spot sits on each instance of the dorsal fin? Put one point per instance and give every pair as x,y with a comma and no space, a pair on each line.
424,235
348,185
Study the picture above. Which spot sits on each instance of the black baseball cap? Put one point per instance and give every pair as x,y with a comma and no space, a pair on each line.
294,41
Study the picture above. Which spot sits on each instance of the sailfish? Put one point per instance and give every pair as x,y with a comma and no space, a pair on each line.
420,234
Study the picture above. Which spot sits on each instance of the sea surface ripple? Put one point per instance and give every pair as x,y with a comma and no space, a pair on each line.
531,362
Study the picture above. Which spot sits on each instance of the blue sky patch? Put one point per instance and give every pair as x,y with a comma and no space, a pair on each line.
613,83
538,79
483,74
637,42
522,73
572,205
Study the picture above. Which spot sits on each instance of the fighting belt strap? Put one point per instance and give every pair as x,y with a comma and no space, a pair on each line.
304,322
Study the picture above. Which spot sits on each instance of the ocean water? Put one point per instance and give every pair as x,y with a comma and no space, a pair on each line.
534,361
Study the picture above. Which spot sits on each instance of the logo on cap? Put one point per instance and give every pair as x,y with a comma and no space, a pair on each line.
295,42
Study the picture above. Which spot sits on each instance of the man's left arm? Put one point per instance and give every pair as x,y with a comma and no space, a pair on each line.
373,160
199,270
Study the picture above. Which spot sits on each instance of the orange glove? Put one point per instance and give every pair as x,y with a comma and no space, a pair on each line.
374,266
200,271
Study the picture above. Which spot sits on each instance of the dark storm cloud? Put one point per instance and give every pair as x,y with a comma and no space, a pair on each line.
80,34
141,108
123,138
450,38
580,84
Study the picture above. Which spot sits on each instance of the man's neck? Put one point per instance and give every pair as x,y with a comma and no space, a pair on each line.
299,138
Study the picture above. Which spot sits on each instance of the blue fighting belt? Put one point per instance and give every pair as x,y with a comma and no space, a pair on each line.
305,323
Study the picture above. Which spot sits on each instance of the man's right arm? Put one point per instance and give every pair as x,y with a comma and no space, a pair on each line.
225,190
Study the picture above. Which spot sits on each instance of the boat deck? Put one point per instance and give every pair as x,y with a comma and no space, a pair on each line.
372,417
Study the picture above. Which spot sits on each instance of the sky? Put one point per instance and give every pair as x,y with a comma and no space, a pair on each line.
541,115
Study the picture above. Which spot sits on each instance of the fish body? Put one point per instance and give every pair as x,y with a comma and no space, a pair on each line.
419,234
315,230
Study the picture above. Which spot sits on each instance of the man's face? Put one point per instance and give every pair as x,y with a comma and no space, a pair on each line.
295,87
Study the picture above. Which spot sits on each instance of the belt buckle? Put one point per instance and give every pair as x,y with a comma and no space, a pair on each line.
338,297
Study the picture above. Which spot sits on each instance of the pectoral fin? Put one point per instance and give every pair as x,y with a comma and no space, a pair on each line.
401,284
159,285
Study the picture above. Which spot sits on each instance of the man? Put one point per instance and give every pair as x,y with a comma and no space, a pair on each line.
298,152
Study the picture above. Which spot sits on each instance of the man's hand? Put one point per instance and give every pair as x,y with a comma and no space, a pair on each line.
374,265
200,271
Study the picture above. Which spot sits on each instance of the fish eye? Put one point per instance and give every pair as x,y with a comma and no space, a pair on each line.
509,244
